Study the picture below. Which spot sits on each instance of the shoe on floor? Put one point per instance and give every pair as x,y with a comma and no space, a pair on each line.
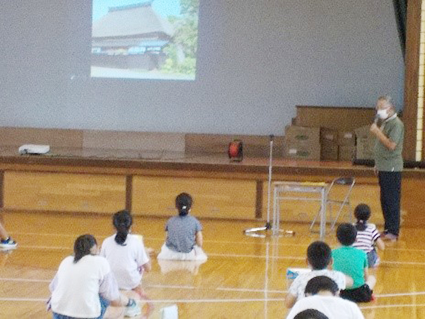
390,237
133,310
8,243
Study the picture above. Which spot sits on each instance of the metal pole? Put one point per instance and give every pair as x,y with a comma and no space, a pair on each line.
270,182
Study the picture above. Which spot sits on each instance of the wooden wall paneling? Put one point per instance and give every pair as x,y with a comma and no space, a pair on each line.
64,192
129,192
411,77
338,118
213,198
423,100
422,80
1,188
259,200
121,140
218,194
17,136
423,137
253,145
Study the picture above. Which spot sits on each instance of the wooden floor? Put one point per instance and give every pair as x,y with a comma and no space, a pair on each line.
244,277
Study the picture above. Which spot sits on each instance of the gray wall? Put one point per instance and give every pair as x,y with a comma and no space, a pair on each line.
257,59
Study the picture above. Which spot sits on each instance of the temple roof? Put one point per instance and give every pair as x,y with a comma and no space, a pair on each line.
131,20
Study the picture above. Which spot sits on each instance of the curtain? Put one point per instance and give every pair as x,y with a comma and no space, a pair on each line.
400,8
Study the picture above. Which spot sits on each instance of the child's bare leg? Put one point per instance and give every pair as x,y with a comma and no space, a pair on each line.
114,313
3,232
371,281
143,296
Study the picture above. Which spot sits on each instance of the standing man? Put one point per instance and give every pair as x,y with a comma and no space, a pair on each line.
389,163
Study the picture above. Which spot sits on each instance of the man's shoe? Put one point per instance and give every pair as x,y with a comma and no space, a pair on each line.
390,237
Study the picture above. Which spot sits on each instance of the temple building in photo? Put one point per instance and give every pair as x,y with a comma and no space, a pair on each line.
131,37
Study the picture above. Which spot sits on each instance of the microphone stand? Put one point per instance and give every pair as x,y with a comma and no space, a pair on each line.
253,232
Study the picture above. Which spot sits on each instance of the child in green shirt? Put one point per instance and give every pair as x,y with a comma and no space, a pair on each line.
353,262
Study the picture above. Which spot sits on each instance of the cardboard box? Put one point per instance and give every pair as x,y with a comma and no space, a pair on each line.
346,138
346,152
328,135
364,132
302,134
301,150
302,143
365,148
328,144
329,151
365,143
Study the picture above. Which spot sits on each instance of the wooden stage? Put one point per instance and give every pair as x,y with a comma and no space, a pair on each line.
47,201
104,181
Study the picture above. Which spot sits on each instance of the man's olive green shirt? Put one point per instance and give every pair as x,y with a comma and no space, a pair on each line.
387,160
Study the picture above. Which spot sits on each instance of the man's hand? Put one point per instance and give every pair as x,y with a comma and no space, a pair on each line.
375,129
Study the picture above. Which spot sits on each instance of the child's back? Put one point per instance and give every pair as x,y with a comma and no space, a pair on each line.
366,238
319,257
297,288
353,262
367,235
125,253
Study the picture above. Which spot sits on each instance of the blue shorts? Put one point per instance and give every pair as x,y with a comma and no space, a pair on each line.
372,258
103,306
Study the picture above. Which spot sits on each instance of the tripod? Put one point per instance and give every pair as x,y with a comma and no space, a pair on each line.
256,231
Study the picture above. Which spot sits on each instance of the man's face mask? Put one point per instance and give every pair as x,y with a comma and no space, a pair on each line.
383,114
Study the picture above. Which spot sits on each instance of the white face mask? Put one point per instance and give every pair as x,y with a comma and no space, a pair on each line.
382,114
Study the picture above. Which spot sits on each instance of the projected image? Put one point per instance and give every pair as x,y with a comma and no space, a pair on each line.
154,39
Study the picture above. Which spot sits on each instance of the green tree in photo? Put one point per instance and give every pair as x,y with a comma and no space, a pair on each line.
181,52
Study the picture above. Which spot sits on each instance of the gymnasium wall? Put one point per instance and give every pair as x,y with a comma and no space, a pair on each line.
256,61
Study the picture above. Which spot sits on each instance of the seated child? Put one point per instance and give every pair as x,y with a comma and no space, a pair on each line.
322,294
183,234
84,285
126,255
311,314
353,262
367,235
319,259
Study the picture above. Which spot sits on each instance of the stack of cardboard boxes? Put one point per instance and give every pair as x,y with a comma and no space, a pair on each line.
365,143
328,144
302,143
346,145
314,143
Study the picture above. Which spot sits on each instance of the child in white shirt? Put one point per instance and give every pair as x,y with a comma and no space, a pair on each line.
126,254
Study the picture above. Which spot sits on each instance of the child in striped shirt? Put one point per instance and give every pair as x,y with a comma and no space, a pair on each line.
368,237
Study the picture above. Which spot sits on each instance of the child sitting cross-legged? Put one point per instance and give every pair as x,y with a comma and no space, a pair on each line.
322,294
353,262
319,259
368,236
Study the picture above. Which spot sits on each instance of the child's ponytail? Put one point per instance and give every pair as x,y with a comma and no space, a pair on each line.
183,203
362,214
